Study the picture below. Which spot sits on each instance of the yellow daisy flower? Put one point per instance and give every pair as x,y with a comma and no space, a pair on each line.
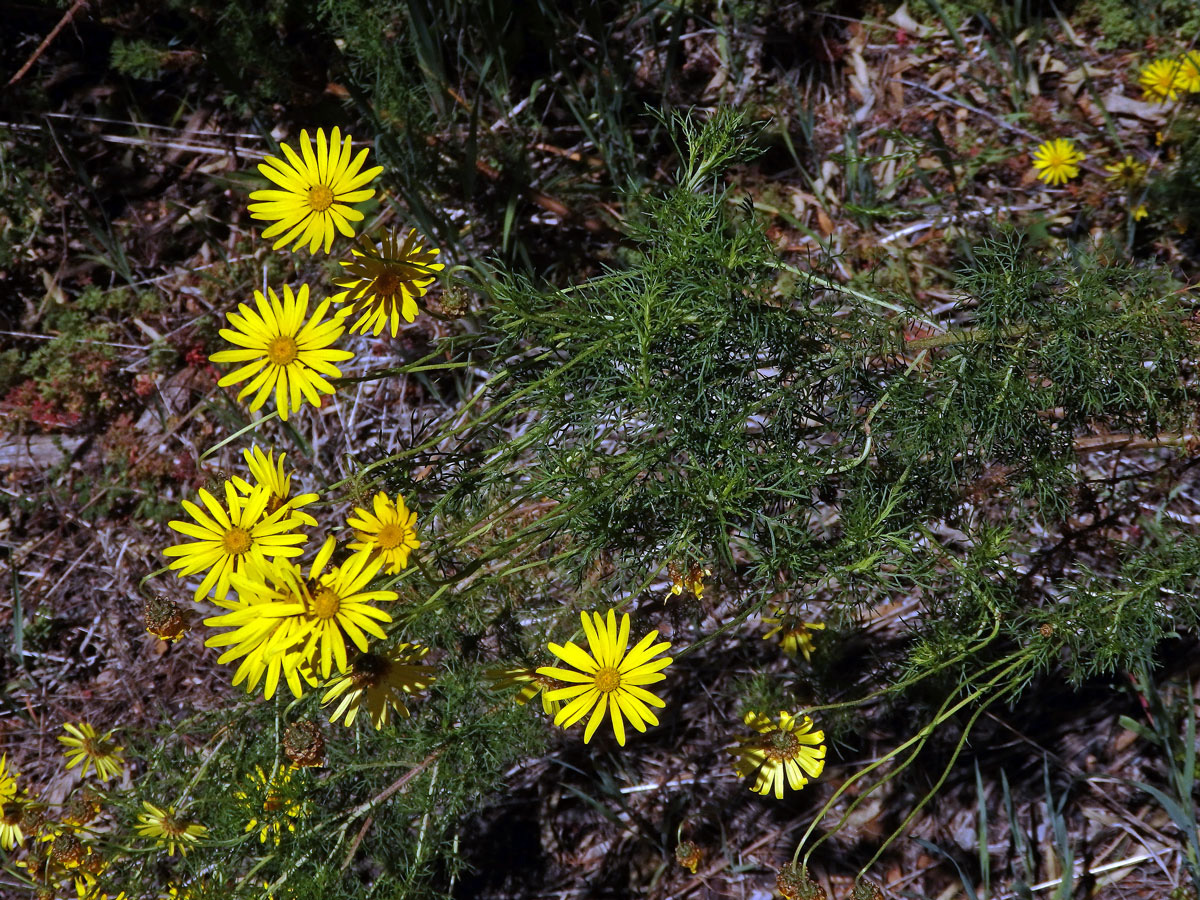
168,829
315,616
531,684
689,855
65,856
83,807
1140,212
316,189
1057,161
379,681
788,751
794,637
390,534
1162,80
267,645
1127,173
271,802
232,538
385,281
281,350
609,678
269,473
91,749
1189,71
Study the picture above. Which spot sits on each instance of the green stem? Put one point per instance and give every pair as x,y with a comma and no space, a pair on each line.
903,826
943,714
964,336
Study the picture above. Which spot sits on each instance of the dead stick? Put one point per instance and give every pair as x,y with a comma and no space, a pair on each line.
41,48
392,788
358,838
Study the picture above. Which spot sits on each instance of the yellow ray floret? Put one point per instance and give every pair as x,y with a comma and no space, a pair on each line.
267,645
389,534
794,637
92,749
384,281
281,350
608,679
1189,71
531,683
787,751
1057,161
269,473
305,620
379,682
315,190
13,806
232,538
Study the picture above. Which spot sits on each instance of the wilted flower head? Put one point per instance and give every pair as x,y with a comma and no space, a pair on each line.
383,282
781,752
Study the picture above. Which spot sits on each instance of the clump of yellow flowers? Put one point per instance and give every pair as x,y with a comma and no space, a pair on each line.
279,349
1165,79
284,623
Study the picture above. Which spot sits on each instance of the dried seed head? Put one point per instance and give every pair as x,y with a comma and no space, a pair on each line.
1046,629
67,851
794,883
304,744
688,855
83,808
164,618
453,302
866,890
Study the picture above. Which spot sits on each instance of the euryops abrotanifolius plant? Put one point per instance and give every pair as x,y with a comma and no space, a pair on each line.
699,425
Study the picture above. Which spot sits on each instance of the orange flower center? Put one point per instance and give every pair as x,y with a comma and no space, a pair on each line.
94,747
390,536
781,745
608,680
320,198
282,350
236,541
387,285
369,670
171,826
326,604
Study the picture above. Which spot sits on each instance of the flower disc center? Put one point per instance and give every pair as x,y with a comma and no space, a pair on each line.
326,604
282,350
236,541
320,198
387,284
369,670
781,745
171,827
390,536
608,680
